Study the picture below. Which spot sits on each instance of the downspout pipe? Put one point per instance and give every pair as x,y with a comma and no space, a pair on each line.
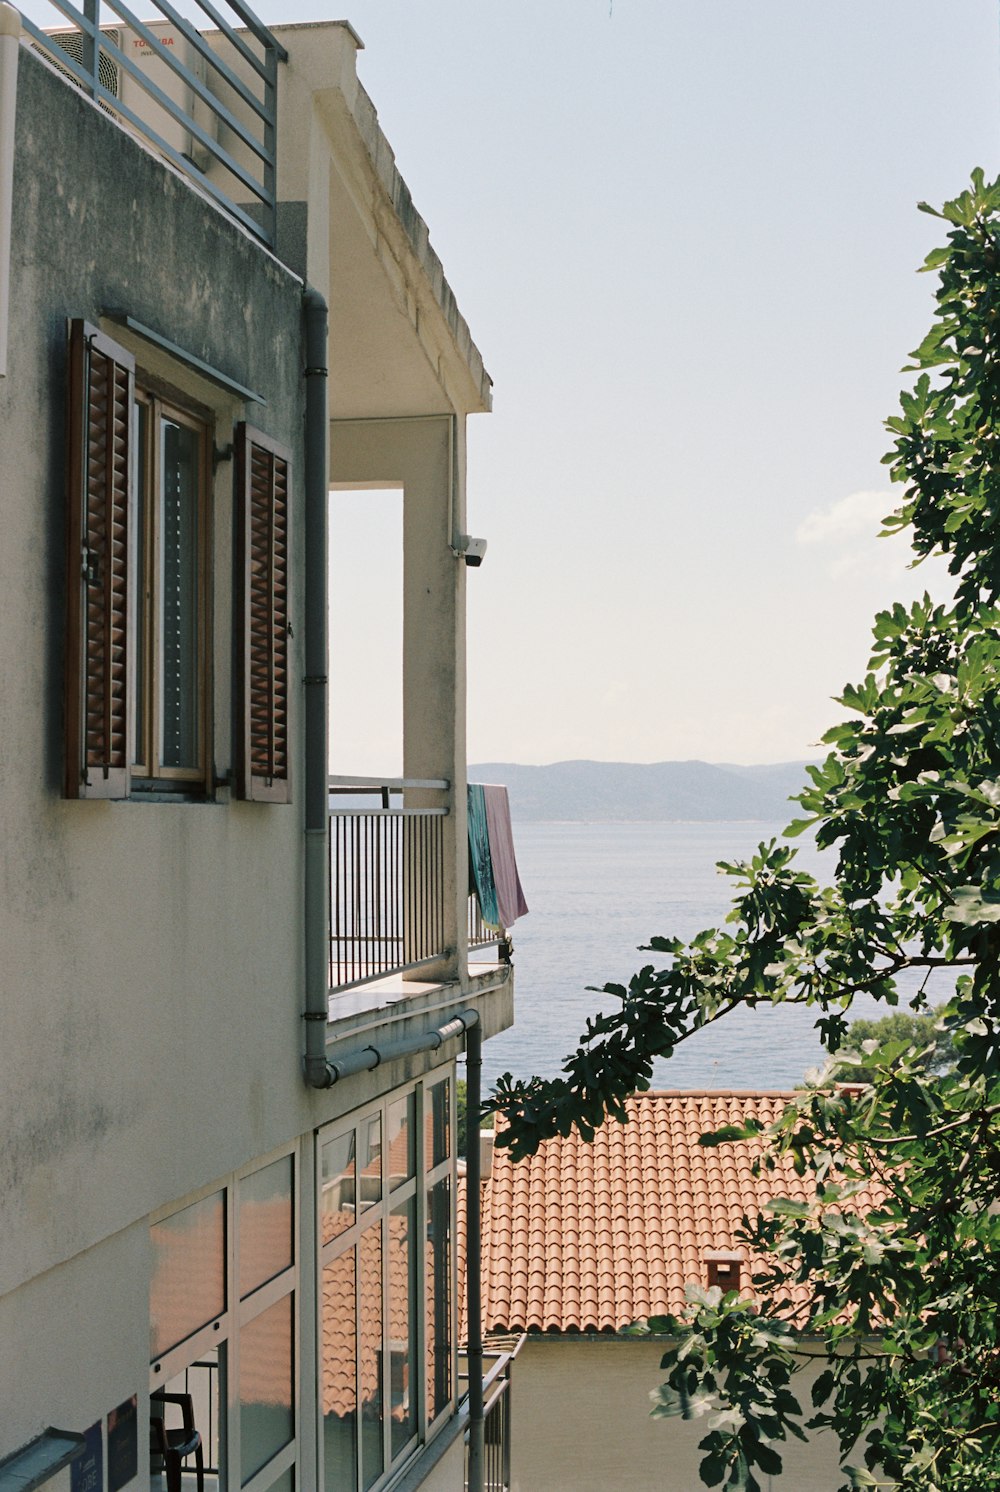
10,34
316,792
473,1256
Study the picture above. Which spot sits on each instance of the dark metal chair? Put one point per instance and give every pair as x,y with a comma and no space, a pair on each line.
173,1446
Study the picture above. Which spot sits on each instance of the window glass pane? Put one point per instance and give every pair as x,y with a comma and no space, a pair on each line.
370,1168
437,1124
266,1418
340,1388
370,1357
400,1146
205,1381
179,599
437,1285
141,617
266,1238
189,1272
402,1323
337,1186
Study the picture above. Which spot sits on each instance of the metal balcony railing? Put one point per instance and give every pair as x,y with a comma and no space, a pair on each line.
496,1426
205,100
481,936
386,881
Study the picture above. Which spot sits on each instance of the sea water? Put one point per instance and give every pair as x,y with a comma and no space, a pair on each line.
598,890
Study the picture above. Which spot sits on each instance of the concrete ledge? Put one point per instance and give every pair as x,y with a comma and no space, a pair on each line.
415,1475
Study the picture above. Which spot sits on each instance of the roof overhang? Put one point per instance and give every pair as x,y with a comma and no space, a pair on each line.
398,342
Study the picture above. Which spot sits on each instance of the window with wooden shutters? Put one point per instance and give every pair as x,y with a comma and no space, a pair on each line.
137,665
98,655
263,484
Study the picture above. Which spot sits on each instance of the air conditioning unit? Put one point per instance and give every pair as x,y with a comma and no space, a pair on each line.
148,59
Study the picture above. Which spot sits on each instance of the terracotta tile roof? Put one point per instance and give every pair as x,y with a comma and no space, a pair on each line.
591,1237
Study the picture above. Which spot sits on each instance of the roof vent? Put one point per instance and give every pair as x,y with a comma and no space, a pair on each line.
723,1268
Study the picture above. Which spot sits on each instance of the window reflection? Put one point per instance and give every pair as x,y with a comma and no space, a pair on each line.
340,1386
267,1238
337,1196
189,1272
267,1421
370,1355
402,1322
437,1284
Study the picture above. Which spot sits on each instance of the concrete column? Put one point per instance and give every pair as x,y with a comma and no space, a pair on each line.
426,457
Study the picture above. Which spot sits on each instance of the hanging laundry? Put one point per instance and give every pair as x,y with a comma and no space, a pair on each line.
492,864
509,894
480,860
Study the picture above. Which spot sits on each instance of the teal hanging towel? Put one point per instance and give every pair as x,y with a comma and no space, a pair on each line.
480,860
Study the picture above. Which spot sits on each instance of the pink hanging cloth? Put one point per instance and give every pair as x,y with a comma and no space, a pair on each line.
510,897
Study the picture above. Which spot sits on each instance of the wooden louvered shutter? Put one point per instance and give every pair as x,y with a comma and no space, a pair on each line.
263,470
99,509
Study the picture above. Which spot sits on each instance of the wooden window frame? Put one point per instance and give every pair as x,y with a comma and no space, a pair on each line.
147,594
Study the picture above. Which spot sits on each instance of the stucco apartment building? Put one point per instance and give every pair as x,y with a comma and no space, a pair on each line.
232,1000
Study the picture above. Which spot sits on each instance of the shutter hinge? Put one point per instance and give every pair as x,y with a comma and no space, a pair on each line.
92,566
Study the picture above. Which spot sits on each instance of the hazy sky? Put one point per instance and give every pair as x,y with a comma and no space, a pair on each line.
684,236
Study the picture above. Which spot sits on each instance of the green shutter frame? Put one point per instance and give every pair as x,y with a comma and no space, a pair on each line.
263,480
100,504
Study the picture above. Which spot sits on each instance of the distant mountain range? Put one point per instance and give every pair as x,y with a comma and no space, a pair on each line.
631,791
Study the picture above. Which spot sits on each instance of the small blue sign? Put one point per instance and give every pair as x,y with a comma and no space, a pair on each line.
87,1471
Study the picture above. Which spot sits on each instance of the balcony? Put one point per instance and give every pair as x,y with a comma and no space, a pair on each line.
387,882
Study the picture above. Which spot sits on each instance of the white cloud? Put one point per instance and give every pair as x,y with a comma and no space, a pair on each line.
857,558
859,515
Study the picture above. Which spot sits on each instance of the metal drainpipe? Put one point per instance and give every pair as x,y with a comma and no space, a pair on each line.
10,32
473,1262
317,901
366,1058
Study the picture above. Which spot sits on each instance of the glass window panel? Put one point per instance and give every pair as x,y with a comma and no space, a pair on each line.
189,1272
370,1167
437,1286
205,1381
266,1238
400,1148
370,1356
179,618
437,1124
402,1324
337,1210
267,1421
339,1374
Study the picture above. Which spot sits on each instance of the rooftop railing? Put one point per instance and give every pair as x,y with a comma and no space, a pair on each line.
207,101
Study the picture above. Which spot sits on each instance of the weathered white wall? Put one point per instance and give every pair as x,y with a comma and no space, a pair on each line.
581,1423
